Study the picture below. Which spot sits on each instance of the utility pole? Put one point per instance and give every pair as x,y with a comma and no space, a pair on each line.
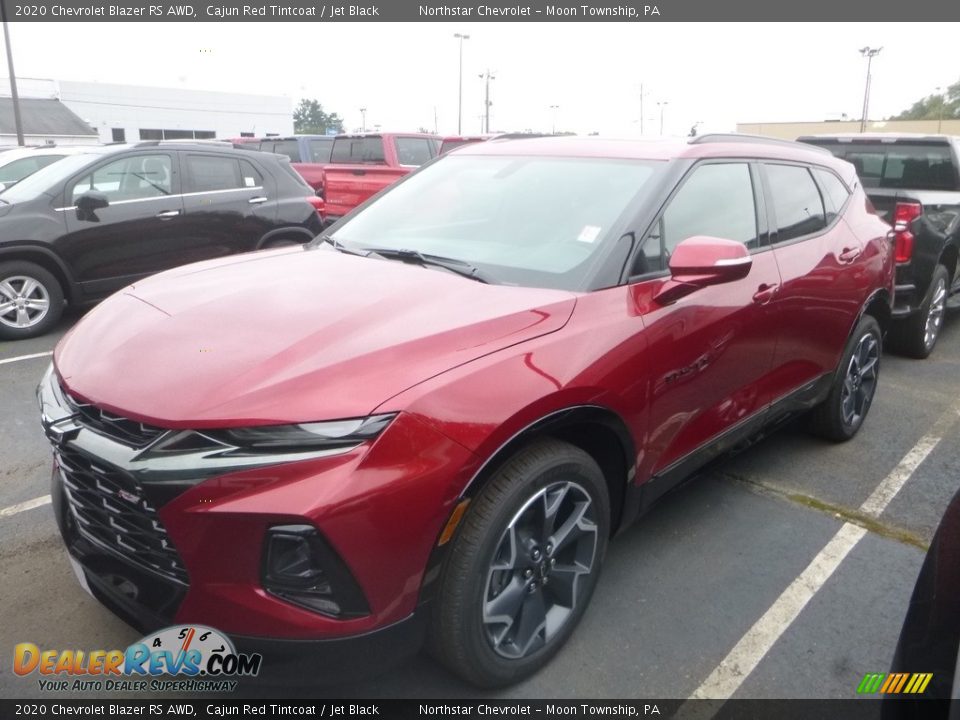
662,106
488,76
554,108
363,121
461,37
869,53
14,96
641,108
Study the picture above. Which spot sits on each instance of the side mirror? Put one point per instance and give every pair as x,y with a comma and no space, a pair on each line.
702,260
92,201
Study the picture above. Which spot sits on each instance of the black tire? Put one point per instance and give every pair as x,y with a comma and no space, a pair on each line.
21,314
854,385
916,336
547,473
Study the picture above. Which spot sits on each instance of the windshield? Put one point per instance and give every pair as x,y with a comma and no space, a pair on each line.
532,221
49,178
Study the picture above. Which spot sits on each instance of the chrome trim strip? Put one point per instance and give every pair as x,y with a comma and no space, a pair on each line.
171,197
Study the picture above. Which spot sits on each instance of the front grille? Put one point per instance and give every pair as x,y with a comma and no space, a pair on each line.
129,432
112,511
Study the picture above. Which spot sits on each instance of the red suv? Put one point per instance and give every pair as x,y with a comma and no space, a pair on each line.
431,420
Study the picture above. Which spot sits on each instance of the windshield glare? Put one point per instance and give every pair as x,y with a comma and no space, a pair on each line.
532,221
46,179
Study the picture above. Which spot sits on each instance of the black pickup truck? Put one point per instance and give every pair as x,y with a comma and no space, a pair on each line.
914,184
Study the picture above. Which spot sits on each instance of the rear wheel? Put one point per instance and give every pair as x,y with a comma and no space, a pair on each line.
31,300
524,565
917,335
841,415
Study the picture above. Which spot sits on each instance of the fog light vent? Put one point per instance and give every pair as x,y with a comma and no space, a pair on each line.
300,567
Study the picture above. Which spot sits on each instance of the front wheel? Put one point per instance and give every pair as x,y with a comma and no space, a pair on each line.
841,415
524,565
31,300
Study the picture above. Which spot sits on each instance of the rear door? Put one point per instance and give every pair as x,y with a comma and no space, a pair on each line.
137,234
710,353
820,261
229,204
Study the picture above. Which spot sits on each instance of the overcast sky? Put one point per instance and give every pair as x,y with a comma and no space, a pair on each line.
718,74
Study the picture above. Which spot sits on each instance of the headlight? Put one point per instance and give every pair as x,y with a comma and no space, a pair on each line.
333,434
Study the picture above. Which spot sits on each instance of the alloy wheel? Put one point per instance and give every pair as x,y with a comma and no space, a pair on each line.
538,567
860,382
938,302
24,301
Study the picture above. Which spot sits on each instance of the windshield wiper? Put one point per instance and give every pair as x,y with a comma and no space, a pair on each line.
459,267
337,245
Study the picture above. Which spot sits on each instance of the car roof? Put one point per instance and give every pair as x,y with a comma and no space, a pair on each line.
654,149
878,137
22,152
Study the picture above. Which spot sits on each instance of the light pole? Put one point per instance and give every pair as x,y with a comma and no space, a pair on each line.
554,129
363,121
461,37
486,98
940,113
642,93
869,53
14,97
662,106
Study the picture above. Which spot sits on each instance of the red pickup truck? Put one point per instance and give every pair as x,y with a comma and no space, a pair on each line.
361,165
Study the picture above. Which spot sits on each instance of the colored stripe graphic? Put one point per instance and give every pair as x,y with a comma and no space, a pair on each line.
894,683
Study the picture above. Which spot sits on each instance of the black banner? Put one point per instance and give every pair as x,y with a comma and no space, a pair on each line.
492,11
856,709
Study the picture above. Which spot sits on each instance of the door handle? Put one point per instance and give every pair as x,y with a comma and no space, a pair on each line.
358,172
257,200
765,293
168,213
848,255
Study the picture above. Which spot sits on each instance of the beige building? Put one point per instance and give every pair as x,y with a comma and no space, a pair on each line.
793,130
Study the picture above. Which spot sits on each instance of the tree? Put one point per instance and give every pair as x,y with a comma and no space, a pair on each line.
310,119
933,107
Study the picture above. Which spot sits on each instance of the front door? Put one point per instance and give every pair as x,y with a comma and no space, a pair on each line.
136,234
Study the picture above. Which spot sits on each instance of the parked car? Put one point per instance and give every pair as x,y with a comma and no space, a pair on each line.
914,183
362,165
18,163
452,142
308,153
99,219
432,420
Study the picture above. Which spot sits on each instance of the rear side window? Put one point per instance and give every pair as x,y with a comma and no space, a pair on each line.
835,191
290,148
414,151
796,201
208,173
358,150
250,175
320,149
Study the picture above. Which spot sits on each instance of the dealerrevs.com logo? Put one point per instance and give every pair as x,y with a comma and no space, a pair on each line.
198,657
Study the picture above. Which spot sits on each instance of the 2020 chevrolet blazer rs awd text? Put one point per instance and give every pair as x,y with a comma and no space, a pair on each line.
430,421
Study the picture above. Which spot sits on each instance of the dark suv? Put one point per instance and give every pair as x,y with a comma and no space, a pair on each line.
91,223
505,358
913,182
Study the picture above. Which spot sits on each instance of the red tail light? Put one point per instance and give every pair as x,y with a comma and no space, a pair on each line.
903,215
318,204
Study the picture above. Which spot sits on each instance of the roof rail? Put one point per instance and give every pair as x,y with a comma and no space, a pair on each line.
758,139
184,141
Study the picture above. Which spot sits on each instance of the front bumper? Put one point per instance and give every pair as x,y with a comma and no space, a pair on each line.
381,506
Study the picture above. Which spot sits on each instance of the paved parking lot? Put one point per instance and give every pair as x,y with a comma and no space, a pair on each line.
700,598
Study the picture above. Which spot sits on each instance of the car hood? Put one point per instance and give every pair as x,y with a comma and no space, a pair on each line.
289,336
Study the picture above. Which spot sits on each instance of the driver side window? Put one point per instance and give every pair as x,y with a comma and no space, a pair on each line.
130,178
715,200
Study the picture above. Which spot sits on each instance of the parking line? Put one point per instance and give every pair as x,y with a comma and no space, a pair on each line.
743,659
26,357
28,505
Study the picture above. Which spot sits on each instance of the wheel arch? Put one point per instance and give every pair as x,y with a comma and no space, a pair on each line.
878,307
46,259
948,258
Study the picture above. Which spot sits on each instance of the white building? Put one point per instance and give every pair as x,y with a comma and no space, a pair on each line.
128,113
